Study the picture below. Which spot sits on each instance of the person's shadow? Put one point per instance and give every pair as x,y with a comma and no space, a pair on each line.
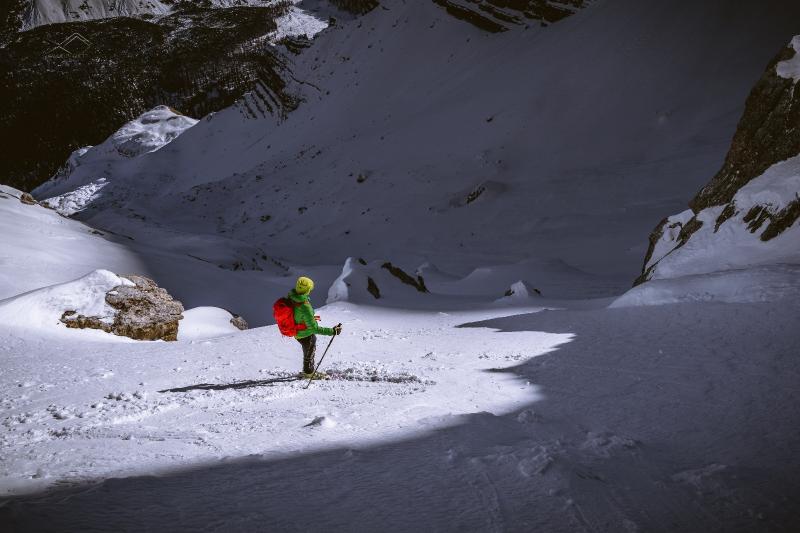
235,385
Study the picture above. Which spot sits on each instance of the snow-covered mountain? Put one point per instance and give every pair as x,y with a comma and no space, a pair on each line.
195,59
34,13
461,147
469,185
747,215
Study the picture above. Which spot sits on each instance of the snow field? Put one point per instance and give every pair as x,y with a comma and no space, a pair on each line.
678,418
103,397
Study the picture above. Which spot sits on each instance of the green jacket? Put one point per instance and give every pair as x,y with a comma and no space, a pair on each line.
304,314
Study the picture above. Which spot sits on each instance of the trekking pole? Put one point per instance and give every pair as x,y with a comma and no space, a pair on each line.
314,373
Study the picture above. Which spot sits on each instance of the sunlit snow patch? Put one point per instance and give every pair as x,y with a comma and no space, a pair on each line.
205,323
151,131
41,309
297,23
75,201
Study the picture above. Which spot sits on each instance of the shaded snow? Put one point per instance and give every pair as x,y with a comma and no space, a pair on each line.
756,284
400,153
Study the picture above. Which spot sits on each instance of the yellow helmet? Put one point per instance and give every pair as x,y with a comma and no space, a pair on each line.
304,285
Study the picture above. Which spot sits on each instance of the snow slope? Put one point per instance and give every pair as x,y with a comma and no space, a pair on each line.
678,418
40,311
747,215
737,242
419,140
41,248
147,133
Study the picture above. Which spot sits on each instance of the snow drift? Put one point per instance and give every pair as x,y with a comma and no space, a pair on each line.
41,310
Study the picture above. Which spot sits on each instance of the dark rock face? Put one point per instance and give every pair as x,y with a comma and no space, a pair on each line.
27,199
768,132
418,282
196,60
144,311
357,7
373,289
501,15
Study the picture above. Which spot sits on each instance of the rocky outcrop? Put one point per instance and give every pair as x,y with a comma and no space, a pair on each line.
501,15
418,282
239,322
358,7
143,311
365,282
757,190
768,132
27,199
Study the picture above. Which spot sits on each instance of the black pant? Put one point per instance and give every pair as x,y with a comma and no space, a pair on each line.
309,345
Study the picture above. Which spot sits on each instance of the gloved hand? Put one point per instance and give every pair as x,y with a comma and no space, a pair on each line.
337,329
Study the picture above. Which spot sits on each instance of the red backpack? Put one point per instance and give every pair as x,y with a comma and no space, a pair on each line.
283,311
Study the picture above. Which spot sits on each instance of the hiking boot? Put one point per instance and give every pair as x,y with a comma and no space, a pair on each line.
313,375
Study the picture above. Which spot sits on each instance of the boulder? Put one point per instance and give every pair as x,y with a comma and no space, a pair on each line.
239,322
27,199
143,311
